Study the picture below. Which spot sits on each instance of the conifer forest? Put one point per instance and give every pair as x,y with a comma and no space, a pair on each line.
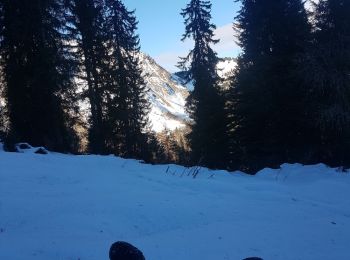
287,100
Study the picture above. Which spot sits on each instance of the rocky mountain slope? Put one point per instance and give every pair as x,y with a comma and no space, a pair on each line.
168,92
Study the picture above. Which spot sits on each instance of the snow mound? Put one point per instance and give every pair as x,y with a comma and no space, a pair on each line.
297,173
74,207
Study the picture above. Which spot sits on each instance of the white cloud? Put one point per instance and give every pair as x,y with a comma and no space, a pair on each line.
227,47
169,60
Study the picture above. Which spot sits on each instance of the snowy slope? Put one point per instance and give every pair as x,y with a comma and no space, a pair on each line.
168,93
62,207
167,96
226,67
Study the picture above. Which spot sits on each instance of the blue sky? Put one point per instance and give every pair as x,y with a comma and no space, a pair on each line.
161,27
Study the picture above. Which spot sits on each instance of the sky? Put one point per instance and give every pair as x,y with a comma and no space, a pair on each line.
161,27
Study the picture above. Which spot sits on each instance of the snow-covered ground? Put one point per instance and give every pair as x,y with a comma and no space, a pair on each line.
62,207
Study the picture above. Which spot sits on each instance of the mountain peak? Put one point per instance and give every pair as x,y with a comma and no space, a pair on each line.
168,92
167,96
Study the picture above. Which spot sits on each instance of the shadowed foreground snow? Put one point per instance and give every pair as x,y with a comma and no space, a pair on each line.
61,207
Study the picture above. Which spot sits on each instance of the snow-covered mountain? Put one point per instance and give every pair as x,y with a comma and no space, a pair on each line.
168,93
226,67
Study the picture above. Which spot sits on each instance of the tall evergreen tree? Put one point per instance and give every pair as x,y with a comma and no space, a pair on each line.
87,31
106,35
206,105
327,71
38,76
267,102
128,106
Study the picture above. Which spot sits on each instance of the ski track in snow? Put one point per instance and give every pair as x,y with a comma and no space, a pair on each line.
74,207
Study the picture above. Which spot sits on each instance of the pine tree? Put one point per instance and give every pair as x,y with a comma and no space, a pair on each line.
266,100
37,73
206,105
88,33
128,106
327,71
155,152
106,35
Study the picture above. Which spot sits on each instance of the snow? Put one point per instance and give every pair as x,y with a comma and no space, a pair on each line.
226,67
74,207
188,85
309,6
160,122
167,96
168,93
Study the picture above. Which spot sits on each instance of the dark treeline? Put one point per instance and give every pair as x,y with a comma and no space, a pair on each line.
289,96
105,34
37,73
55,53
205,104
288,100
268,98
